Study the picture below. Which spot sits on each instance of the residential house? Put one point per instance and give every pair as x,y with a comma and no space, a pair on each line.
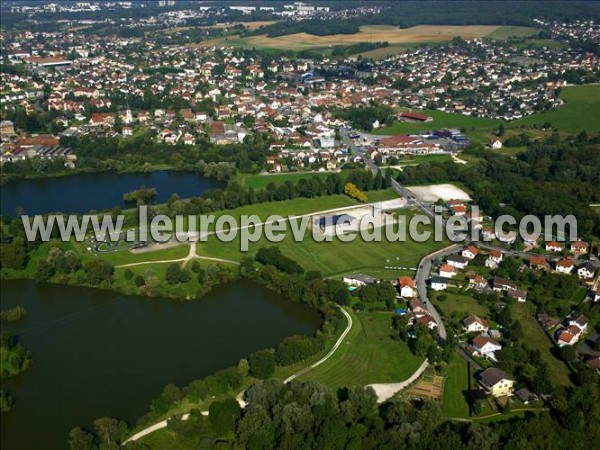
580,321
494,259
538,262
477,281
359,280
458,261
485,347
447,271
439,283
502,284
520,296
407,286
426,320
564,266
579,247
417,307
470,252
473,323
554,246
568,335
496,382
586,271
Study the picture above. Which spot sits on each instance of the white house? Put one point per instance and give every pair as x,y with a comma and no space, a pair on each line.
458,261
586,271
496,144
439,283
554,246
564,266
494,259
485,347
408,287
470,252
358,280
447,271
474,323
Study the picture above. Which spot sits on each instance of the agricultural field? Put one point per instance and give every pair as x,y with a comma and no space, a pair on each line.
580,111
368,33
367,355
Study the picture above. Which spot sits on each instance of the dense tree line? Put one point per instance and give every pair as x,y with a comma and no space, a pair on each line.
341,51
363,117
551,177
407,14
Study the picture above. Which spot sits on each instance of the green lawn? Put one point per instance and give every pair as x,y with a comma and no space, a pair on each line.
440,120
506,32
458,306
420,159
455,386
534,337
367,355
580,111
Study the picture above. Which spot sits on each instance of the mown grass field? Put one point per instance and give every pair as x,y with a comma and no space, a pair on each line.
455,386
534,337
581,111
367,355
440,120
331,258
505,32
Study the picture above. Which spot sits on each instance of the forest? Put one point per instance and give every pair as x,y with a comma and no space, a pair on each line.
407,14
551,177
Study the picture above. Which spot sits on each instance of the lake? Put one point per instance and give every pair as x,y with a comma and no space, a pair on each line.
83,192
98,353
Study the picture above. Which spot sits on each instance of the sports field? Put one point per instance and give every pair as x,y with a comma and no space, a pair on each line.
367,355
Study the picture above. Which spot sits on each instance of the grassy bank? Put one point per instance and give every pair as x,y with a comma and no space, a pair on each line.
367,355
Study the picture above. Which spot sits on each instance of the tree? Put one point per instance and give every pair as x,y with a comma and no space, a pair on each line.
262,364
223,415
44,271
107,429
80,439
177,274
98,271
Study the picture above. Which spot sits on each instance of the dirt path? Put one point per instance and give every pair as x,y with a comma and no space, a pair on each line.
386,391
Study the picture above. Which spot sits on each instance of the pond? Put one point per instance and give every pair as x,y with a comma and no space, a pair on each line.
83,192
98,353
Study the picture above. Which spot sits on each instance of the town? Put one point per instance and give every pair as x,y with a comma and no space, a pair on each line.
279,319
